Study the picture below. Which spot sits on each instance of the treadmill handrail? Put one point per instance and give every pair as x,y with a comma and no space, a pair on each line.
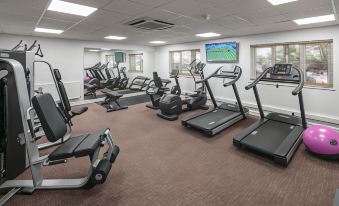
255,82
237,77
215,74
296,91
300,86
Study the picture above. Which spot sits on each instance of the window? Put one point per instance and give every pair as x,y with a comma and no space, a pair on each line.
179,60
314,58
111,60
135,63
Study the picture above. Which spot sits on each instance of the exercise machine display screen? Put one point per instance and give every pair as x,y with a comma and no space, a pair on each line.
282,69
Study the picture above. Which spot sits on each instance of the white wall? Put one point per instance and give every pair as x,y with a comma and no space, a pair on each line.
68,57
319,104
91,58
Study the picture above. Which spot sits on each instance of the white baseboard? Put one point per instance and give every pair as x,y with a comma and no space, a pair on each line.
254,109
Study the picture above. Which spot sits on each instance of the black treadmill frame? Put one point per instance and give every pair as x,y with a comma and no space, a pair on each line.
226,74
284,160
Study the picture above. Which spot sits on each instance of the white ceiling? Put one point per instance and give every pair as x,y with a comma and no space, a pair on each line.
228,17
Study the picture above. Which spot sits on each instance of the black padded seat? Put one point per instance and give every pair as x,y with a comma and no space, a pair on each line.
79,146
111,93
78,110
66,150
55,128
66,104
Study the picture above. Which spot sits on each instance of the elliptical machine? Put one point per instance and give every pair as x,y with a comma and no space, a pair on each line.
171,105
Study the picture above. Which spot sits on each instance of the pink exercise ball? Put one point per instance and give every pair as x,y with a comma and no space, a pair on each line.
322,141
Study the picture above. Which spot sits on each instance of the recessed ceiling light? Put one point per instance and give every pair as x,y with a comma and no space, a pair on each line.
157,42
93,50
278,2
209,34
105,49
316,19
71,8
116,37
52,31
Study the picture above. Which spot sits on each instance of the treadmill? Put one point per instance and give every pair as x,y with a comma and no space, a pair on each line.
221,116
276,135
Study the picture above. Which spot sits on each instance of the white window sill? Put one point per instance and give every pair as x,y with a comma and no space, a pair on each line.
294,85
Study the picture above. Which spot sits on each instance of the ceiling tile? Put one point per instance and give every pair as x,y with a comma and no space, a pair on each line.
152,3
159,14
193,9
107,18
19,9
92,3
85,28
54,24
17,4
62,16
127,7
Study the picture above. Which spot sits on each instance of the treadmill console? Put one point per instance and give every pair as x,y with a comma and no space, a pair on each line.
282,73
282,69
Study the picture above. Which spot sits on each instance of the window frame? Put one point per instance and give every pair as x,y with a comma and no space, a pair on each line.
133,69
302,60
181,73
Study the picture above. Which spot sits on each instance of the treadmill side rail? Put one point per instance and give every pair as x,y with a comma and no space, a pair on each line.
239,137
284,152
186,119
235,118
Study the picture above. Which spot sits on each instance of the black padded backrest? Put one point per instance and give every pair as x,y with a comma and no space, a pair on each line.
157,80
63,93
57,74
51,119
64,96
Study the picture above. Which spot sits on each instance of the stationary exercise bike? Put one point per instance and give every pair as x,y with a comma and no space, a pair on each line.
156,89
171,105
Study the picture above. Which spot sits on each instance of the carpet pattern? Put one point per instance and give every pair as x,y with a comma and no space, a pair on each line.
163,163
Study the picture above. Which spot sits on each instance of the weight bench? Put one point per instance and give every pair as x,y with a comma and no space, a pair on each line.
112,96
84,145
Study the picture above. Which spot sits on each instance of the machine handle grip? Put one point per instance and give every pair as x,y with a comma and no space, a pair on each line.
300,86
237,77
255,82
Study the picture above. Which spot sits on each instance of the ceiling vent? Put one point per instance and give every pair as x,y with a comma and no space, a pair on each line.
148,23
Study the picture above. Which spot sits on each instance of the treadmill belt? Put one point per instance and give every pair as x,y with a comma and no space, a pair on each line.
268,137
212,119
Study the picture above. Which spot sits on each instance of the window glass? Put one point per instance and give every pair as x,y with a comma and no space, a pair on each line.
179,60
263,59
317,64
315,59
279,54
136,62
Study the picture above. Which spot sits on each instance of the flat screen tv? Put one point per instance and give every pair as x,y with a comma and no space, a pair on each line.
227,52
119,57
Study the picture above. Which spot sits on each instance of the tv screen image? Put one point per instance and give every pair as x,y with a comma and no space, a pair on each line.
222,52
119,57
